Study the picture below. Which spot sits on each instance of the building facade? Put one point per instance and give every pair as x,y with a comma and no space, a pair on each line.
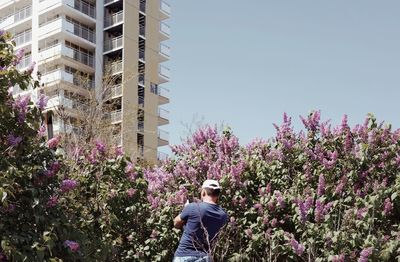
77,44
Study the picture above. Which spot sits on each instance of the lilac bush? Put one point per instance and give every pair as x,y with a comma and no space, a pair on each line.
322,194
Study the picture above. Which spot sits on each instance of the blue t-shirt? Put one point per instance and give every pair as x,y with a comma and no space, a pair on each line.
194,241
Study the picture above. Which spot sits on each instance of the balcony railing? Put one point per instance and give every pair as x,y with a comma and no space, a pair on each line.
60,24
114,19
164,72
83,82
116,116
114,67
165,29
61,49
165,8
163,113
85,8
16,17
112,44
61,75
81,6
165,50
116,90
25,62
23,38
163,135
159,90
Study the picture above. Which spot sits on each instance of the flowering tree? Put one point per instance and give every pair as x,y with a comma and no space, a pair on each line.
324,194
27,165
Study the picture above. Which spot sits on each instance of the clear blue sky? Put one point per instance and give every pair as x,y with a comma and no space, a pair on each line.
244,63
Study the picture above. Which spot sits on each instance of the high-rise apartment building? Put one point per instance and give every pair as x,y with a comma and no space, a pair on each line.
75,43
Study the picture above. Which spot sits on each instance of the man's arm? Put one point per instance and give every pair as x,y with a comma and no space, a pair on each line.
179,222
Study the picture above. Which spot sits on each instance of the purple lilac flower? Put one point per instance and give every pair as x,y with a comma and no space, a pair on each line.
330,162
30,68
365,253
13,141
131,192
338,258
279,198
42,101
100,146
118,151
18,56
321,210
42,130
259,208
72,245
53,143
53,201
388,207
321,185
361,213
297,247
274,222
340,186
21,105
68,185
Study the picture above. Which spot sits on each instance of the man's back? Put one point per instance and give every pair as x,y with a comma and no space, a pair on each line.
199,216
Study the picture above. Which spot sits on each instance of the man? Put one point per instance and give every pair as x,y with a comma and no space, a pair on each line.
202,222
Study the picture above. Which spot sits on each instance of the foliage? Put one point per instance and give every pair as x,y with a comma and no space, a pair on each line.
326,194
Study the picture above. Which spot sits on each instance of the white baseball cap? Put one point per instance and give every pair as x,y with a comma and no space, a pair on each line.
210,183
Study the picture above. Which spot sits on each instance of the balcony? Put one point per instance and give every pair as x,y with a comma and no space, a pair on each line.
163,73
163,117
165,52
16,17
114,19
23,38
114,68
116,116
116,91
162,92
165,10
81,6
165,31
163,137
113,44
57,75
62,50
25,62
62,25
67,103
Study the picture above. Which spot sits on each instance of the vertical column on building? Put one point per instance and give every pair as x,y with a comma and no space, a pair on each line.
99,47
